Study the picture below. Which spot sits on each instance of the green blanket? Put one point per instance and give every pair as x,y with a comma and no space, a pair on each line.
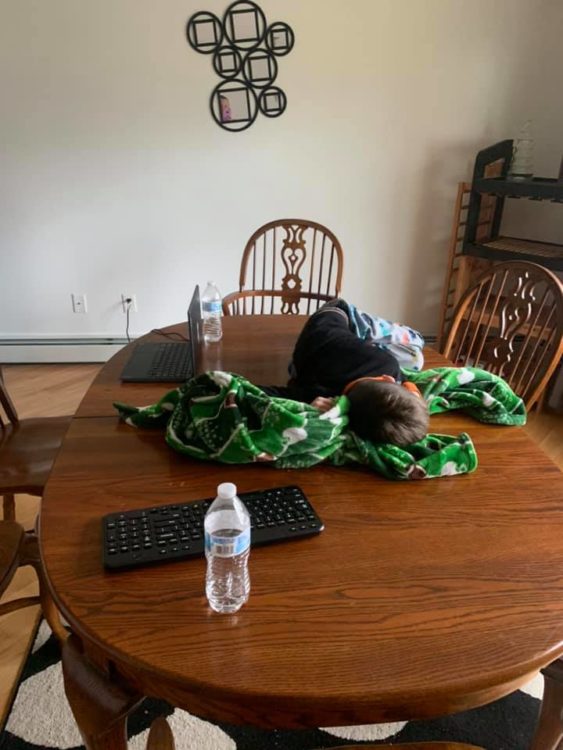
221,416
479,393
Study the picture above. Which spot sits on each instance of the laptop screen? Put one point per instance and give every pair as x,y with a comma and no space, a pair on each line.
194,328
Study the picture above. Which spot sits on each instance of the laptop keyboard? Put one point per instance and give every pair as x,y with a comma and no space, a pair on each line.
171,361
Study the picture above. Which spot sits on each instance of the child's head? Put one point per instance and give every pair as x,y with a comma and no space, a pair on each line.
385,412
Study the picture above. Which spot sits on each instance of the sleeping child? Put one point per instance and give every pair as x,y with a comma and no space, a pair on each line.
341,351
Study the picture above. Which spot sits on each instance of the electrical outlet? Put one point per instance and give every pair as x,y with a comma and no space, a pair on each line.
79,303
132,305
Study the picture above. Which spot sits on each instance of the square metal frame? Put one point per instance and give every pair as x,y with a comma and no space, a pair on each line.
285,45
225,92
232,55
237,40
273,95
264,56
207,21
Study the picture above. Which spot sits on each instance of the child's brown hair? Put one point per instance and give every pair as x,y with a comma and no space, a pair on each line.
384,412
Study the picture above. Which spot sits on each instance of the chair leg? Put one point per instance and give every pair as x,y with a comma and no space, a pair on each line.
9,506
160,736
30,556
549,730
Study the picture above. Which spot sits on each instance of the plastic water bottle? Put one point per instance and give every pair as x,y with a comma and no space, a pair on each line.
227,548
211,312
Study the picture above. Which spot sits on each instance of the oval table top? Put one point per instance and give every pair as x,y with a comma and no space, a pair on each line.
418,599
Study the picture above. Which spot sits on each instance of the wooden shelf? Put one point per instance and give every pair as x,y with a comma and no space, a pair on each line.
546,254
535,188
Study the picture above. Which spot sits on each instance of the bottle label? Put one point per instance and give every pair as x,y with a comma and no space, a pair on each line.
227,546
213,307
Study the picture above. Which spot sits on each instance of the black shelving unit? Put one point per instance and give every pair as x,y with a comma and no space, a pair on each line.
483,237
536,188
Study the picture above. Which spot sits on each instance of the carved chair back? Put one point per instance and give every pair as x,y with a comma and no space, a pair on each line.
301,261
511,323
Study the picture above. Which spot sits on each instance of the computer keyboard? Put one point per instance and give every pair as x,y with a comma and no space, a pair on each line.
175,532
171,361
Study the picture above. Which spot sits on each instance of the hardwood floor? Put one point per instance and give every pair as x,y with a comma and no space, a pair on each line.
51,390
39,391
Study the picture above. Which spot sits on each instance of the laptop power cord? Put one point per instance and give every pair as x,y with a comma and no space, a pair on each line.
128,301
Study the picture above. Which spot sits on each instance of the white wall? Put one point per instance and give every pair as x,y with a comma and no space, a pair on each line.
114,178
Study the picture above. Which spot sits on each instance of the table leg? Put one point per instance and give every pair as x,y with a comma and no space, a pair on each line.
549,731
160,736
100,705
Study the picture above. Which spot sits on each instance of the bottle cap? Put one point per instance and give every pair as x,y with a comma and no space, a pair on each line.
226,490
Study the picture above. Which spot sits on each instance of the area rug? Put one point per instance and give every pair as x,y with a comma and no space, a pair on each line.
40,718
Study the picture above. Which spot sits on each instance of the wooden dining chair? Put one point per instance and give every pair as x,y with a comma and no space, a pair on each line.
27,450
289,266
17,549
161,738
510,322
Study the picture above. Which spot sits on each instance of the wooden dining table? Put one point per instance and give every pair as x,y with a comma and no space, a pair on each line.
419,598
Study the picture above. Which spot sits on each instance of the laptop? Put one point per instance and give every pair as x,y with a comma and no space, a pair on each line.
167,362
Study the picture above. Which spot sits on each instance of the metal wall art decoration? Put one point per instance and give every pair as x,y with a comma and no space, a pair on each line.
245,54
